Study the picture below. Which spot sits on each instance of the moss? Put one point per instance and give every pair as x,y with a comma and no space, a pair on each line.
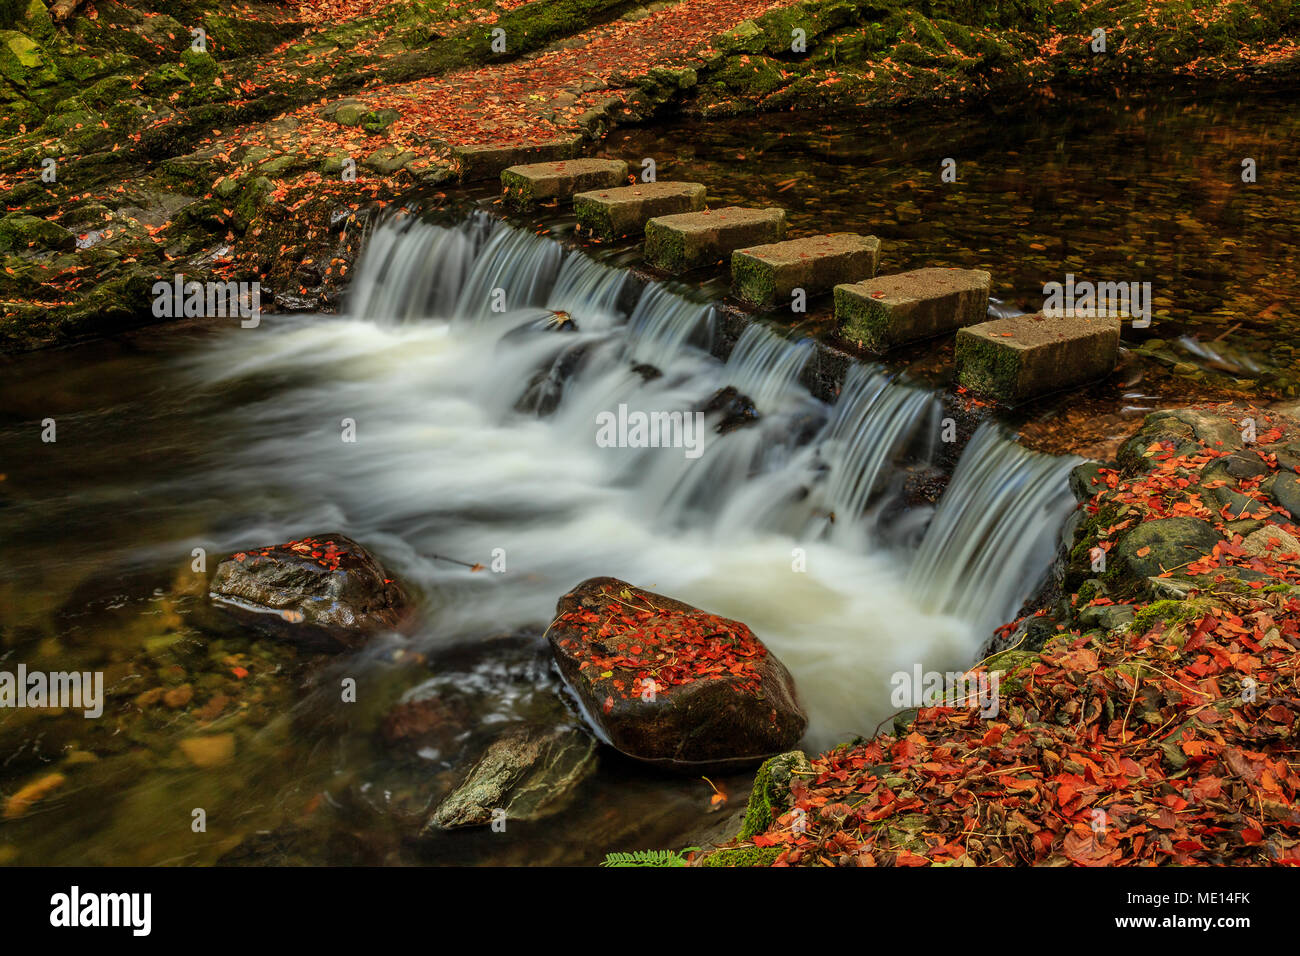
986,368
753,281
771,785
744,856
1167,612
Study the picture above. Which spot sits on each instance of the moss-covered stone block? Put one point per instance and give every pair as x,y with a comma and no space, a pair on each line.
766,275
545,182
905,307
693,239
1020,357
624,211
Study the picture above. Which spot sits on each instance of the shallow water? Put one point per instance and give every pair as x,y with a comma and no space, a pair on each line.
1110,187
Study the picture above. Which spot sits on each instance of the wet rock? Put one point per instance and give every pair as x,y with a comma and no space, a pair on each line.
527,772
476,162
1285,491
1154,547
736,410
546,388
325,591
670,684
433,725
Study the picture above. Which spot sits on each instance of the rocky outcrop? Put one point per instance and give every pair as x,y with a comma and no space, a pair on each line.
324,590
668,683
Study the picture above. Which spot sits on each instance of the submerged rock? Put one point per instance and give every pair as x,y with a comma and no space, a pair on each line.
323,590
527,773
737,409
668,683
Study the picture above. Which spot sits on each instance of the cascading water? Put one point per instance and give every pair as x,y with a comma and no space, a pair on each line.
476,437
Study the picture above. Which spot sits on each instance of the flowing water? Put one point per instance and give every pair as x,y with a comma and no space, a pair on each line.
475,412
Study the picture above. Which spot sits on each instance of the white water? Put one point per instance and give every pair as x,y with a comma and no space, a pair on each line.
444,465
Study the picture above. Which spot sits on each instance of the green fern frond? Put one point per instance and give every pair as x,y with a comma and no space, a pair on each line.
649,858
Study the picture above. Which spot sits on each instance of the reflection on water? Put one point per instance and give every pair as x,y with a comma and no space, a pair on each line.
1128,188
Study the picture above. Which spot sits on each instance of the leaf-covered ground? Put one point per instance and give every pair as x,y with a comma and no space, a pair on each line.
1155,725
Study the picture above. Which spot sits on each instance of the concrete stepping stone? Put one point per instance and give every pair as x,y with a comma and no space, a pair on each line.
480,161
768,274
541,182
615,213
690,239
890,310
1026,355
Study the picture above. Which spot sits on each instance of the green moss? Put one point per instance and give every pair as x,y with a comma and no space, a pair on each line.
744,856
987,368
758,815
1167,612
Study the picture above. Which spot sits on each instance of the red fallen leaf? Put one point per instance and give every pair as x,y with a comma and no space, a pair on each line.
907,858
609,704
1143,552
475,567
239,672
240,557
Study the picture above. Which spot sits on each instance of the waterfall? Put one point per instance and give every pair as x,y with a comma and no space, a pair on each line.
995,530
477,433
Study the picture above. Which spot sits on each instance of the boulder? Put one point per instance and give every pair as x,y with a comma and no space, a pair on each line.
529,773
1154,547
324,591
670,684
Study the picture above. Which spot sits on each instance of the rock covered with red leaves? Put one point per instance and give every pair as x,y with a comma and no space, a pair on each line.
668,683
322,590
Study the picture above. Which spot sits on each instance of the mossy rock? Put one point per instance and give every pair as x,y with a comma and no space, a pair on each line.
23,63
1154,547
771,790
20,232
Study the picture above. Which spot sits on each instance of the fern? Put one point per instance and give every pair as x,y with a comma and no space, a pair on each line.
649,858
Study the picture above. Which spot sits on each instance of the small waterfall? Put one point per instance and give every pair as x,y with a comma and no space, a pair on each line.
876,421
521,265
480,431
765,366
663,323
412,271
995,531
589,290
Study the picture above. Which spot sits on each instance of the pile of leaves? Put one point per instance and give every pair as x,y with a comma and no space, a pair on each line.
1171,746
660,647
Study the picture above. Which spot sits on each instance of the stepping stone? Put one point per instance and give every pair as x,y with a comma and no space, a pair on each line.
690,239
766,275
1025,355
478,162
614,213
890,310
539,182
